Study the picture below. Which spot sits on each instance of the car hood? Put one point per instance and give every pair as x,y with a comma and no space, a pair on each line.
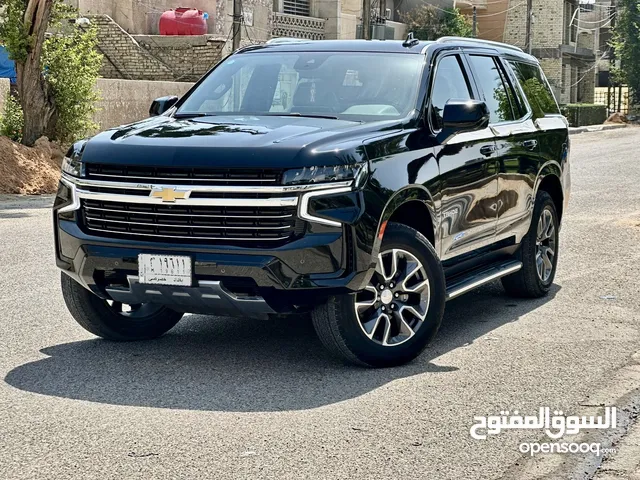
231,141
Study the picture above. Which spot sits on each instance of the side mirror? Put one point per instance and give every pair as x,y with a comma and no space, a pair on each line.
464,116
161,105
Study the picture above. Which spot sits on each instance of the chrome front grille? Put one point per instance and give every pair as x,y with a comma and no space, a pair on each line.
220,208
184,176
191,223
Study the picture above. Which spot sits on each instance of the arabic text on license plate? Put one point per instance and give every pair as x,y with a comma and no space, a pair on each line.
164,270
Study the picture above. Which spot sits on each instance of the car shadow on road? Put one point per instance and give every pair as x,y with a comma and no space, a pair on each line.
241,365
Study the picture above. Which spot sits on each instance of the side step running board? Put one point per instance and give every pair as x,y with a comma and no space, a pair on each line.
480,277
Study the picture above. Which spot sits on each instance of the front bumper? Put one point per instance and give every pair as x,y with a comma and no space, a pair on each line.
326,260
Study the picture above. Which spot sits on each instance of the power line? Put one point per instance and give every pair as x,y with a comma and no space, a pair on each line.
593,67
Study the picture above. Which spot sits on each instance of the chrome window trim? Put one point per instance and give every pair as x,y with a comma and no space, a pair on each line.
240,189
303,211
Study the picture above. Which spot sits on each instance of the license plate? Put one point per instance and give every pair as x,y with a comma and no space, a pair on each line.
164,270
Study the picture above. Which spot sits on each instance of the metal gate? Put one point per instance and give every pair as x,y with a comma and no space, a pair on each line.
615,98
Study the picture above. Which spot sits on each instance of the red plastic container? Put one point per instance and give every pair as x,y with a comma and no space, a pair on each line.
183,21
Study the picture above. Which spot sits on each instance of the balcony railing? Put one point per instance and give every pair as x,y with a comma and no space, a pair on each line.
298,26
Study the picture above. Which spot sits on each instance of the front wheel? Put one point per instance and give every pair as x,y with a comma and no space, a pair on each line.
114,320
398,313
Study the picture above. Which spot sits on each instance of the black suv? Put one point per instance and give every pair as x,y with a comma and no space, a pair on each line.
365,182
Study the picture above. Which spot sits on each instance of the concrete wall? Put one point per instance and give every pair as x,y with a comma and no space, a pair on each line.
141,16
127,101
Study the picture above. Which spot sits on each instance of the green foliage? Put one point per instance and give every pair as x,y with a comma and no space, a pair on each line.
539,97
11,120
582,114
69,60
14,33
72,66
428,22
626,45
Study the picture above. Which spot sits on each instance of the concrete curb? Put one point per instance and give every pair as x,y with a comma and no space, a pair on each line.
596,128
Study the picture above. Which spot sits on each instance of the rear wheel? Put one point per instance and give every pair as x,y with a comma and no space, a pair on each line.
538,253
114,320
398,313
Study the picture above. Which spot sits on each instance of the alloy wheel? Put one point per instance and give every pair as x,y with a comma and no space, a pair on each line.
545,245
395,303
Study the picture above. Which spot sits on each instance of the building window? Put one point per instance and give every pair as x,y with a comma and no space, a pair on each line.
296,7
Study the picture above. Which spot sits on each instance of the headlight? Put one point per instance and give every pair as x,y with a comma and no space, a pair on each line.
72,166
72,163
336,173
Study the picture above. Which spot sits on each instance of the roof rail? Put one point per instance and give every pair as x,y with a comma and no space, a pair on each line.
284,40
479,42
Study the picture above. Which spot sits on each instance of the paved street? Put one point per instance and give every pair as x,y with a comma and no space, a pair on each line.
227,398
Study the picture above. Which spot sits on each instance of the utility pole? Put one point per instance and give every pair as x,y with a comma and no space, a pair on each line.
237,23
366,19
529,26
475,22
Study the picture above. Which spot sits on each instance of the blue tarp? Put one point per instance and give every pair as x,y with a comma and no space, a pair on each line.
7,66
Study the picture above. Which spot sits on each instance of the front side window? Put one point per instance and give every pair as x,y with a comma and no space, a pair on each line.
536,89
449,83
352,86
490,81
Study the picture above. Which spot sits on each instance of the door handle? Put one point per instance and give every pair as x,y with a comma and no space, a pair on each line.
487,150
530,144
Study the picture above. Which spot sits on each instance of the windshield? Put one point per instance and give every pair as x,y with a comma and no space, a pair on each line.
351,86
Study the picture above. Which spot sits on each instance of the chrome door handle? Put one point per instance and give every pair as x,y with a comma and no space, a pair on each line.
530,144
487,150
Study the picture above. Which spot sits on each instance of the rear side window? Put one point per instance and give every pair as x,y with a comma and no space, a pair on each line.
535,88
490,80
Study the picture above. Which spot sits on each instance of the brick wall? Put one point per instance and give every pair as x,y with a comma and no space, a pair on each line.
188,57
152,57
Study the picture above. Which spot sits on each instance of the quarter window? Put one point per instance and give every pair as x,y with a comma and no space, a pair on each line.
536,89
450,83
490,81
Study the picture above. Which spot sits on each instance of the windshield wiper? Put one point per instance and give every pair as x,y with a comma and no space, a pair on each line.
192,115
296,114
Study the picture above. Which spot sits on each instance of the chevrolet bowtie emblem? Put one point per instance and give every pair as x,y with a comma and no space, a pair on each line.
169,194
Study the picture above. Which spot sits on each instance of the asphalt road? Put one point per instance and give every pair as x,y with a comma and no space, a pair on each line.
227,398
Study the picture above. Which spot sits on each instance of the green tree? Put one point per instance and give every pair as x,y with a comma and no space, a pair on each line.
626,45
428,22
55,73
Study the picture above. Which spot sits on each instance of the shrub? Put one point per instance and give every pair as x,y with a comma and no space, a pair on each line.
583,114
12,120
72,65
428,22
58,66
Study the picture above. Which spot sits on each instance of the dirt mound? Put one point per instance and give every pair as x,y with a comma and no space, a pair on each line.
617,118
29,171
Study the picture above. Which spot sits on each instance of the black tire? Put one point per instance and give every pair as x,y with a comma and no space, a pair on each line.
98,317
526,282
339,328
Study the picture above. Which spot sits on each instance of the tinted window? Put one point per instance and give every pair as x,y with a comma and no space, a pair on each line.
489,79
449,83
536,89
350,85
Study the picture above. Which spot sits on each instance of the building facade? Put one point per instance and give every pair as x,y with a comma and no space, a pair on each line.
566,51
